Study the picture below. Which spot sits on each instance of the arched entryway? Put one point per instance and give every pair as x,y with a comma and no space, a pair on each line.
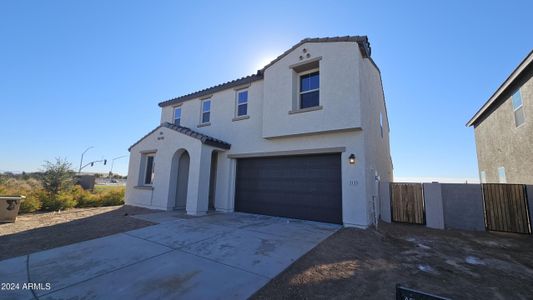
179,179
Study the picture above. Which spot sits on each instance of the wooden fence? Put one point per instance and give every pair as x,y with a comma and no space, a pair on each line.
407,203
506,207
501,207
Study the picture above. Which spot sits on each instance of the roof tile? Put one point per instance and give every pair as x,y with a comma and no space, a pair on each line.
362,41
205,139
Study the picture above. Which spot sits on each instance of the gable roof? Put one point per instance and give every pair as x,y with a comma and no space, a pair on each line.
205,139
208,91
362,41
495,99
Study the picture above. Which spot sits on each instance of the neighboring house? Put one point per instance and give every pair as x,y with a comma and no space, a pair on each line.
504,130
305,137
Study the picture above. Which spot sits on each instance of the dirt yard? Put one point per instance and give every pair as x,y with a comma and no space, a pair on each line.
365,264
40,231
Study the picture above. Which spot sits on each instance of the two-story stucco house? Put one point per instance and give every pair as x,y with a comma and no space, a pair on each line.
504,129
305,137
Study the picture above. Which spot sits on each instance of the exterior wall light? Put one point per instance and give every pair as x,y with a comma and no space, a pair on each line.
351,159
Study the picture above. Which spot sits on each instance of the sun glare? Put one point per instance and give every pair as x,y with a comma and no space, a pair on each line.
263,61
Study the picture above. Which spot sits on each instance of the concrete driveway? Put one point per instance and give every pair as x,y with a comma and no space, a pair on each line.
215,256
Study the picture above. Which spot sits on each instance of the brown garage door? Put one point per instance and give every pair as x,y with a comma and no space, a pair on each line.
302,187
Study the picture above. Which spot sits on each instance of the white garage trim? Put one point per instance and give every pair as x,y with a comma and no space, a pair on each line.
290,152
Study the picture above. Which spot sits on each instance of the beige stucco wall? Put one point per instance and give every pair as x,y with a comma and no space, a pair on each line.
500,143
378,161
271,99
339,86
167,143
353,180
270,128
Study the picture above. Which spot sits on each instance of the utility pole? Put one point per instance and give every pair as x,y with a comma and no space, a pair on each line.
113,162
81,161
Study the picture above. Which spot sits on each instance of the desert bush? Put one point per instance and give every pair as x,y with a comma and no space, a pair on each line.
29,188
31,203
112,197
57,177
16,187
85,198
63,200
100,197
37,198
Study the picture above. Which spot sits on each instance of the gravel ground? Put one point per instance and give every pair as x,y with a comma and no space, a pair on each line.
40,231
367,264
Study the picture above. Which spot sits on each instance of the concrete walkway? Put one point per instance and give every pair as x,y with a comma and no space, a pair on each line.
217,256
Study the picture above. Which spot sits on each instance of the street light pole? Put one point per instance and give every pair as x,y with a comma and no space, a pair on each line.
81,161
113,162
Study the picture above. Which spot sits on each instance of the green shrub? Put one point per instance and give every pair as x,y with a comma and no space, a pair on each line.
28,187
39,199
84,198
101,197
112,197
62,200
57,176
31,203
89,200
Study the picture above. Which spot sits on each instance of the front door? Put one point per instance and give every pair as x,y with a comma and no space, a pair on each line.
183,181
213,179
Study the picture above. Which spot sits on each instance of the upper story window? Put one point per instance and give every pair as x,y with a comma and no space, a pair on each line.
309,89
206,111
242,103
518,109
177,115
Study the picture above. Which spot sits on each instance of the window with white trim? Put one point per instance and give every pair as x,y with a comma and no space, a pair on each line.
309,89
518,109
206,111
242,103
177,115
501,175
147,169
